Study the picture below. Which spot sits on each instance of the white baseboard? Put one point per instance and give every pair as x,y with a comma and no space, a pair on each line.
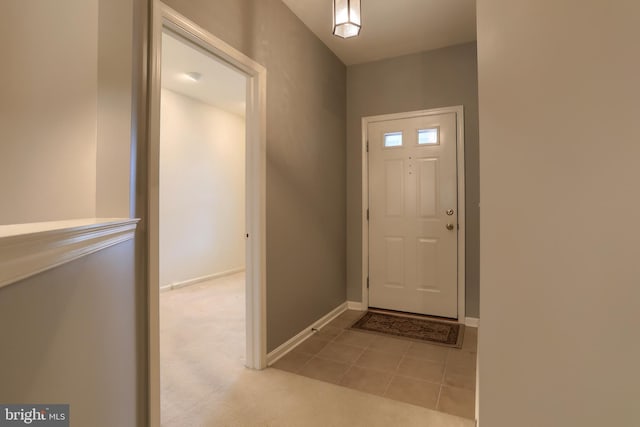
355,305
285,348
472,322
195,280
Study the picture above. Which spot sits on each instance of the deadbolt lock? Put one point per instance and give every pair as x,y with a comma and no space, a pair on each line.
450,212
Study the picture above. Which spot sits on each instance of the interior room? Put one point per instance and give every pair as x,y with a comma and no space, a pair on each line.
422,240
202,176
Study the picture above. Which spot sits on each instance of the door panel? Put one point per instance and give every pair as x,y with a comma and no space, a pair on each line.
394,196
428,264
427,188
412,185
395,262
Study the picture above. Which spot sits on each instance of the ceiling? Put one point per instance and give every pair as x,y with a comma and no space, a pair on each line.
219,85
392,27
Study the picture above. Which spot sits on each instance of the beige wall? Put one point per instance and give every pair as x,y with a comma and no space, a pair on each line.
559,89
438,78
48,108
202,190
306,93
70,335
65,109
113,144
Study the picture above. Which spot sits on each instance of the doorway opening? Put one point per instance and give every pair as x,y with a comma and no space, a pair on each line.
414,212
206,228
202,166
202,220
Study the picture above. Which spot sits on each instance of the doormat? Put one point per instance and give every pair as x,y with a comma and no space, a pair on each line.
416,328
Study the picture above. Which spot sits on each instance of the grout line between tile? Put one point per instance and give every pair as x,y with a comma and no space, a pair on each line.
303,365
404,356
345,375
444,374
418,379
394,374
357,358
386,388
438,400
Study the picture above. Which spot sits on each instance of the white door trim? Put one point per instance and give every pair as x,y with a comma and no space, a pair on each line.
162,17
459,111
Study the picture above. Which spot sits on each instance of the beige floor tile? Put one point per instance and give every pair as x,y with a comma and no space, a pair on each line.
435,353
460,370
470,341
312,345
367,380
346,319
356,339
341,323
457,401
389,345
422,369
379,361
340,352
413,391
466,381
325,370
292,362
329,332
352,315
461,362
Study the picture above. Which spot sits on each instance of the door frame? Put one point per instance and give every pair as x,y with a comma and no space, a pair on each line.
163,17
459,112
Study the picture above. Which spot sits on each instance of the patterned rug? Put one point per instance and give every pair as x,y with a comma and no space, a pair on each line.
417,328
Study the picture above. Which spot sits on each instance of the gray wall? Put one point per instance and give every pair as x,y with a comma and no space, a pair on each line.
438,78
69,335
306,128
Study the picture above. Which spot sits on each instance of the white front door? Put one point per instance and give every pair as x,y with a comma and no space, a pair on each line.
413,215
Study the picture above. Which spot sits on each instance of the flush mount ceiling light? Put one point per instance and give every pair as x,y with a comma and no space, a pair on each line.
346,18
194,76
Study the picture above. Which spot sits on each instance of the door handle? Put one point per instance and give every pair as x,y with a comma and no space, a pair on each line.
449,227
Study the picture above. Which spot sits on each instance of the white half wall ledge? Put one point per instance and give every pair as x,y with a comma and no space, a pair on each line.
29,249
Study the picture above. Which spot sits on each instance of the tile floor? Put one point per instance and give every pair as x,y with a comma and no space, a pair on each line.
422,374
204,382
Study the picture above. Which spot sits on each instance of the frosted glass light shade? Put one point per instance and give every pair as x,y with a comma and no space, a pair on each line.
346,18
